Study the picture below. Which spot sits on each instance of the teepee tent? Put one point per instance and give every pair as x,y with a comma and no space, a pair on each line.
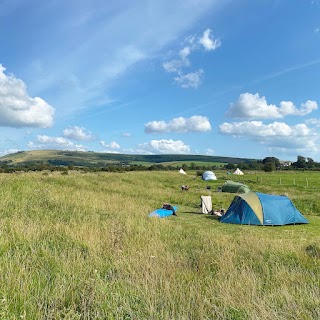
208,175
238,172
256,208
182,171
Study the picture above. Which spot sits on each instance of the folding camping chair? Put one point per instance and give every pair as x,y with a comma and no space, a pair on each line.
206,204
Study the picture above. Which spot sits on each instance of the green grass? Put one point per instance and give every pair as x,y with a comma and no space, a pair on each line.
81,246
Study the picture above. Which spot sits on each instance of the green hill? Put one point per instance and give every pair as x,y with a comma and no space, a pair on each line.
80,158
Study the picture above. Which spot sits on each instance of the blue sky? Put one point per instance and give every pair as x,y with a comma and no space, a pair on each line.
227,78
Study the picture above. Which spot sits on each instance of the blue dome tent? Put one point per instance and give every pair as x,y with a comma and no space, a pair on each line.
256,208
208,175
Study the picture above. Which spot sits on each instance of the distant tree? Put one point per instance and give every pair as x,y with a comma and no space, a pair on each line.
311,163
243,166
185,166
301,162
269,167
273,160
256,165
230,166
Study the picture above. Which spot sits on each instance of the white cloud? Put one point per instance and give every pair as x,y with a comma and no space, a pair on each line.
164,147
276,134
184,53
17,109
252,106
190,40
257,128
106,46
126,134
56,140
110,151
8,151
47,142
77,133
175,66
307,108
180,124
313,122
209,152
208,42
111,145
189,80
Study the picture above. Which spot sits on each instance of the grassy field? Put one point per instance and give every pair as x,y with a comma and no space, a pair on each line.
81,246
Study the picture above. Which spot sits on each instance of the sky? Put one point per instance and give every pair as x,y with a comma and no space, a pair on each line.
237,78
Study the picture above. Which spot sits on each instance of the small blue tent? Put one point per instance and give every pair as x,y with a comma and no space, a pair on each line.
262,209
208,175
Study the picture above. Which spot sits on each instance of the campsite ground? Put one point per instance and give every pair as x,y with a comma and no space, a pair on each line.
81,246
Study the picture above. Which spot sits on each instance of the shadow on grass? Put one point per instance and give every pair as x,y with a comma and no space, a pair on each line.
206,216
213,217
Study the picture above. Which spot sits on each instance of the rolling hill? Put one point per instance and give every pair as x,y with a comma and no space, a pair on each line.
80,158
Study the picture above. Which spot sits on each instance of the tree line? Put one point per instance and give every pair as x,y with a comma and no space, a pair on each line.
268,164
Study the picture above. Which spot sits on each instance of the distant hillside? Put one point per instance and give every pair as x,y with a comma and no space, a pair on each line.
79,158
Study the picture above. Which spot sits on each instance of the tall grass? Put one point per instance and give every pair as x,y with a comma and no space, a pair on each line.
81,246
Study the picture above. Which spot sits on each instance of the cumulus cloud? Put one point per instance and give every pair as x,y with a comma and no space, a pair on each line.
111,145
307,108
209,152
77,133
47,142
164,147
257,128
178,66
276,134
180,124
252,106
313,122
56,140
189,80
8,151
208,41
17,109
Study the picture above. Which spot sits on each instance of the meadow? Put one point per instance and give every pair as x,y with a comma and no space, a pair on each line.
81,246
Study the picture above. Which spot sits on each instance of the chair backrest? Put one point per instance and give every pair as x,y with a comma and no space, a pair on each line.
206,204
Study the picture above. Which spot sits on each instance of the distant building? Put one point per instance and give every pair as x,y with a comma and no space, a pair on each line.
285,163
